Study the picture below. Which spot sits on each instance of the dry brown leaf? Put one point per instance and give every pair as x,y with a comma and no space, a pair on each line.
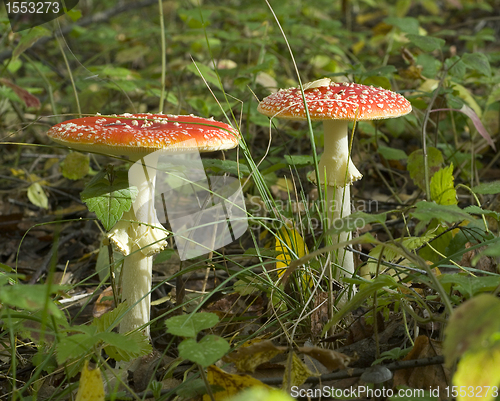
331,359
104,303
28,99
426,377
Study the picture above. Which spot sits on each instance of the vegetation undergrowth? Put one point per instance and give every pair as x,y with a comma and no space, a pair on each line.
269,309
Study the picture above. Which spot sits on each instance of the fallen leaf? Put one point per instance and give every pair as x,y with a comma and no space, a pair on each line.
91,385
232,384
331,359
247,358
426,377
296,372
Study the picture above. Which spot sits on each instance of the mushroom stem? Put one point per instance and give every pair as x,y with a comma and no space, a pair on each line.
338,200
139,239
136,290
337,169
335,159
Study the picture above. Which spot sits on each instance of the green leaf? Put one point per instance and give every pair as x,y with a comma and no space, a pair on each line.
29,39
442,187
74,14
426,43
6,268
109,200
75,346
391,254
122,347
473,209
37,196
164,255
299,160
76,165
416,165
469,286
426,211
205,72
110,319
227,166
392,153
191,325
472,327
406,24
206,352
30,297
478,62
487,188
440,242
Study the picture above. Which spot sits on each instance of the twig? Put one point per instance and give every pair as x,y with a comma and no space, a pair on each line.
347,373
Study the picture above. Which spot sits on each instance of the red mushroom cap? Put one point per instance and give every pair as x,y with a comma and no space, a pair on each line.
137,135
335,101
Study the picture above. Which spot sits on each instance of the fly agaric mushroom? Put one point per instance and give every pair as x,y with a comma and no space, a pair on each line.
336,104
137,136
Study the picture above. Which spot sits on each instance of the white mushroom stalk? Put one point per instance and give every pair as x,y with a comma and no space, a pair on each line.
338,171
336,104
139,235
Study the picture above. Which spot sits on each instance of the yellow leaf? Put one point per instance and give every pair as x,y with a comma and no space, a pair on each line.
261,394
293,247
296,372
91,385
249,356
17,172
358,46
232,384
289,241
477,375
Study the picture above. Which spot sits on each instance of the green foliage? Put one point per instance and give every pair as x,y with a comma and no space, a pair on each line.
416,165
366,290
220,59
204,352
109,196
393,354
191,325
426,43
469,286
426,211
442,187
29,297
392,153
75,166
487,188
473,334
87,339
